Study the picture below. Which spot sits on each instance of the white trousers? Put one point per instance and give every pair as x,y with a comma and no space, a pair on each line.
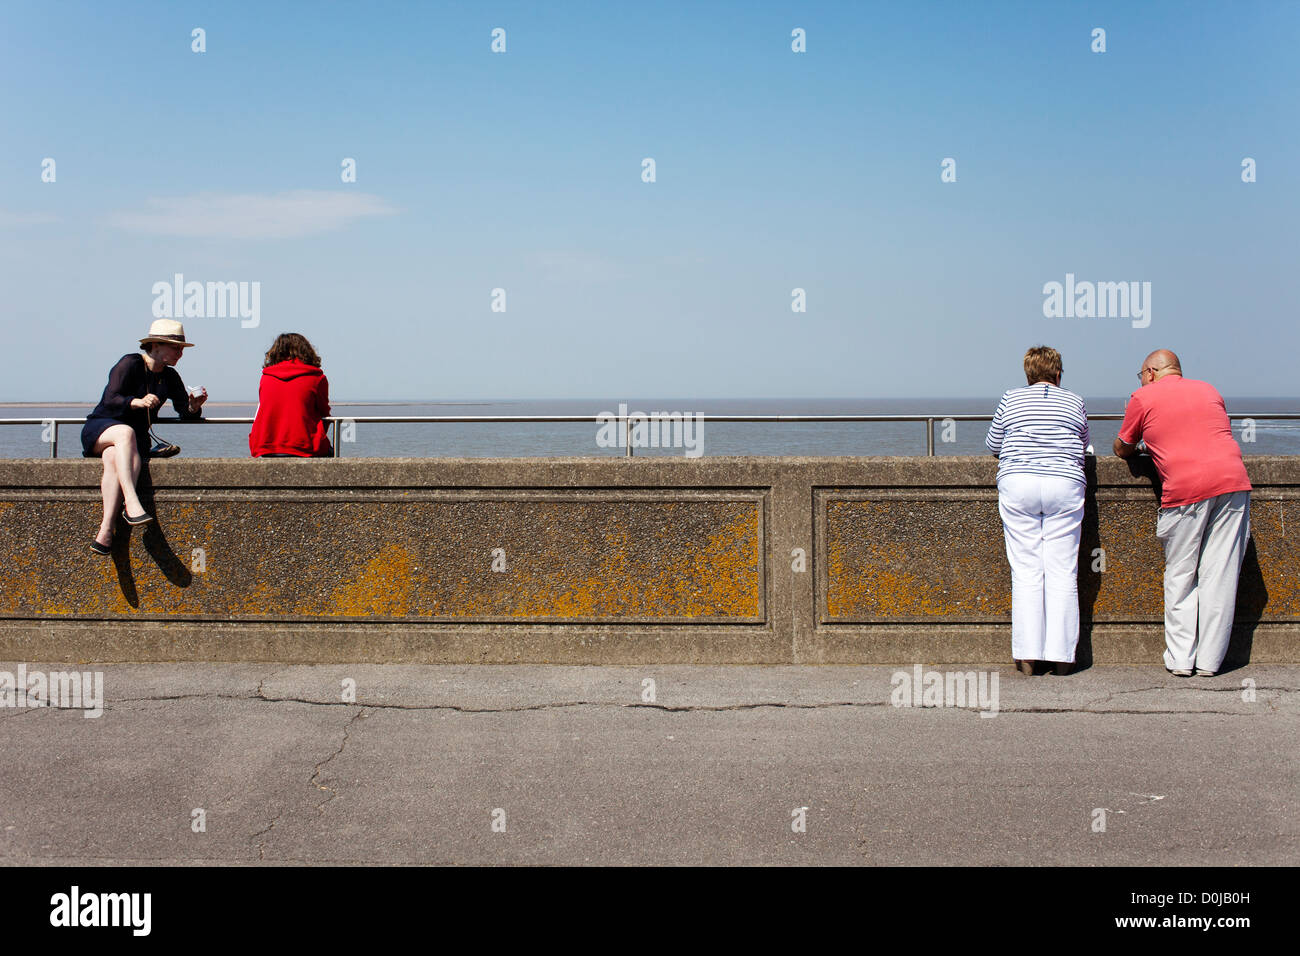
1041,516
1205,543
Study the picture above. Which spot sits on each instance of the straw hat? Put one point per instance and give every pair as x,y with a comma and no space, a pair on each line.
168,332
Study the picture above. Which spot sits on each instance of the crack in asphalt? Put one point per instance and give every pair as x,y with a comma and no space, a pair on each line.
261,847
367,704
1235,689
1100,713
687,708
28,710
320,807
258,692
1089,707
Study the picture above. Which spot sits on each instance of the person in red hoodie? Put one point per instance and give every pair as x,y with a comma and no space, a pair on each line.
292,400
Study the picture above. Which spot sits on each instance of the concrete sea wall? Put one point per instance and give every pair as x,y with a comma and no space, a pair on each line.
708,560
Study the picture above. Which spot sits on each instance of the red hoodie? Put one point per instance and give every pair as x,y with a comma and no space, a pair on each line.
292,400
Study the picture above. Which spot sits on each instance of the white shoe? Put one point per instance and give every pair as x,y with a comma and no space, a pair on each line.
1181,672
1202,672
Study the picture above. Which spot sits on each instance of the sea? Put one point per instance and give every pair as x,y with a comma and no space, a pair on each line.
584,439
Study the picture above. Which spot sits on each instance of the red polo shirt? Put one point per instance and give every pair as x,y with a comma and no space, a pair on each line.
1187,432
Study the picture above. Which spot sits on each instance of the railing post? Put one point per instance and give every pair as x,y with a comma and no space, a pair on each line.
54,439
627,434
336,429
929,437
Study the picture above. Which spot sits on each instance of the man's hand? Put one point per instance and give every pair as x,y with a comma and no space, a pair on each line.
1124,449
196,401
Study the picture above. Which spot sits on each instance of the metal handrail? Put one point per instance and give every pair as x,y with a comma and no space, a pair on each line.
336,422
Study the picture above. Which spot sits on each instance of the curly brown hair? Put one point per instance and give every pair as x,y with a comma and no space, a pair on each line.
291,345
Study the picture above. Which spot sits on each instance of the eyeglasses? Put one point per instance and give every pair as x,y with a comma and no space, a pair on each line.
1149,369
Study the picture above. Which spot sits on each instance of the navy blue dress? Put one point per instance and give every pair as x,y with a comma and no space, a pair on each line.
131,378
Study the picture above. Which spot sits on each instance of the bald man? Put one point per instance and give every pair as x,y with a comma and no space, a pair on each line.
1204,520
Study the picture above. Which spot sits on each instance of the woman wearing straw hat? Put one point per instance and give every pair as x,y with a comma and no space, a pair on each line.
138,385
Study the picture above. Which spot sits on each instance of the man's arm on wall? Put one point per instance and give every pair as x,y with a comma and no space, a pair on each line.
1131,426
1124,449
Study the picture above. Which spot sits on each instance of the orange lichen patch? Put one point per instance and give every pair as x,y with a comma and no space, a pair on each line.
382,588
21,589
922,569
567,560
723,578
630,579
1274,552
46,569
880,589
586,600
261,599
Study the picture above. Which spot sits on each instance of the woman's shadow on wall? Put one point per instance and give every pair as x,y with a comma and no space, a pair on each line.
155,545
1252,595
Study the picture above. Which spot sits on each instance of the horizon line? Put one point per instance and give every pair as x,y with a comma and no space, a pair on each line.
504,401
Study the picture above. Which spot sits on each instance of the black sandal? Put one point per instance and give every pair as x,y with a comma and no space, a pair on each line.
100,548
143,519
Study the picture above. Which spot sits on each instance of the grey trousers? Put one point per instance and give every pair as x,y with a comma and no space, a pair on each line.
1205,543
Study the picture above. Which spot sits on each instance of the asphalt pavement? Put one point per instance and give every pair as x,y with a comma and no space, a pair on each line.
486,765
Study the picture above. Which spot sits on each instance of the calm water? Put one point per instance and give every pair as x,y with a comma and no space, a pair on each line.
516,440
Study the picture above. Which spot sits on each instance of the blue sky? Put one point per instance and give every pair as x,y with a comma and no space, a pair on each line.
775,170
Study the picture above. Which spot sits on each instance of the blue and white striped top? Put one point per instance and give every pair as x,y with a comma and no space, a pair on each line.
1040,430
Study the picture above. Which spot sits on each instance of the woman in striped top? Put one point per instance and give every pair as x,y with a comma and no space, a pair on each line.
1039,434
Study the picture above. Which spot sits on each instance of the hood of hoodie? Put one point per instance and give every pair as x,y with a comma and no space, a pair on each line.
293,368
